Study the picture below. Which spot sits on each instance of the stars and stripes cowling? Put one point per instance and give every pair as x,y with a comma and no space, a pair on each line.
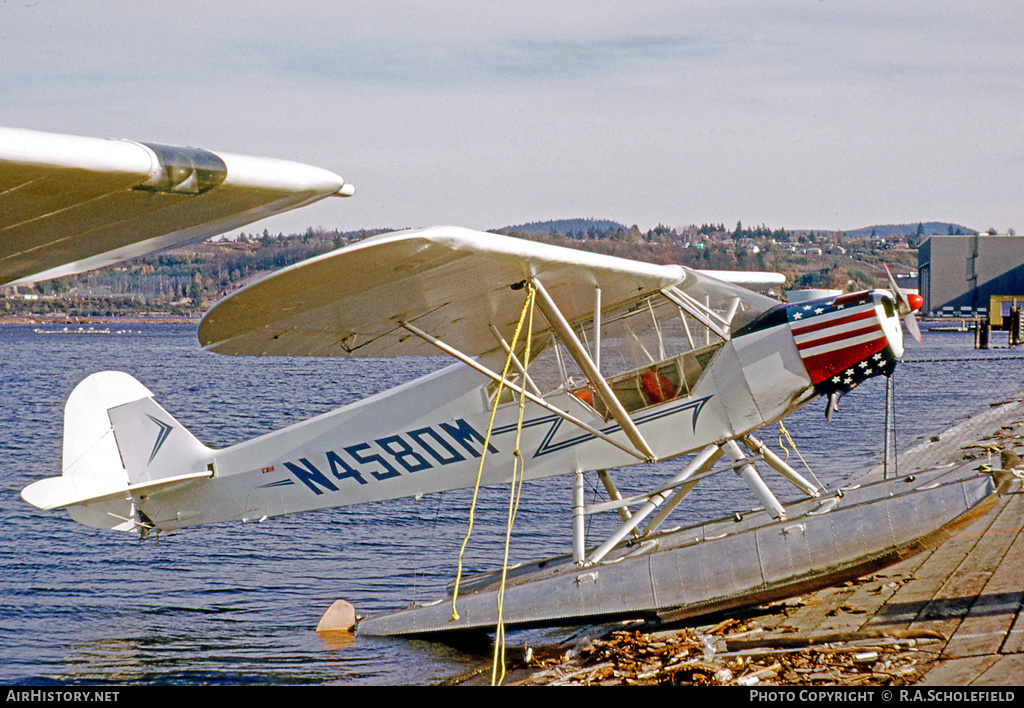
841,341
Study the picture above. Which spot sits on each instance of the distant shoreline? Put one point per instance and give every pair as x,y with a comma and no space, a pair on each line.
69,320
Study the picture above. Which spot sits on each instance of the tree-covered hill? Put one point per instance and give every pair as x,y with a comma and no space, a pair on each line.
186,281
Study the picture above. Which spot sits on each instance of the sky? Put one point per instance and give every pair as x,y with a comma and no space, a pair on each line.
822,114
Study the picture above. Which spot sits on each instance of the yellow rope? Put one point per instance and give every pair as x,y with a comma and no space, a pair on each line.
515,489
483,453
783,431
782,445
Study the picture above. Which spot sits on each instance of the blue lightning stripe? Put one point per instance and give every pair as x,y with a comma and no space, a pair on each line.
161,437
279,483
547,445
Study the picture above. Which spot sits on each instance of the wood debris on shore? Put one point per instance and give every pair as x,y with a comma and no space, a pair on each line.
732,653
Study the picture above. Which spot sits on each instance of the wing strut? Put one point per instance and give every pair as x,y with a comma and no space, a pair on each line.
515,360
579,353
469,361
698,312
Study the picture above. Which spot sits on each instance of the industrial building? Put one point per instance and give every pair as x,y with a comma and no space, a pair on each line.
958,275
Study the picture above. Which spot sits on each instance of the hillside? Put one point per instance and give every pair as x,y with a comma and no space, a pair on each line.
566,226
186,281
926,228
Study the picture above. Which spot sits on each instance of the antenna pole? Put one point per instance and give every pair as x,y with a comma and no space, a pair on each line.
890,425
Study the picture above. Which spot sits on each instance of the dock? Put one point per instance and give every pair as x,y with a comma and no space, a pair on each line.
966,596
969,590
952,615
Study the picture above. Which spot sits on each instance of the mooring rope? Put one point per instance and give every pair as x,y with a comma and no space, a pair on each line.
483,453
515,491
792,444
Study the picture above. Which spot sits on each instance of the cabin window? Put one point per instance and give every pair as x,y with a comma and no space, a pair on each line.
650,352
656,383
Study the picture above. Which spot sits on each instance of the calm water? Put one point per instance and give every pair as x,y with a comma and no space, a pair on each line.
238,603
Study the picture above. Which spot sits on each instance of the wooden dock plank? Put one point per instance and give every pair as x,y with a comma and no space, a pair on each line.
871,595
951,604
859,606
985,628
807,618
1015,637
822,611
1006,671
959,672
918,595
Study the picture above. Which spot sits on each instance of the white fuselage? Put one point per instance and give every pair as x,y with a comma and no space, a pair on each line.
428,435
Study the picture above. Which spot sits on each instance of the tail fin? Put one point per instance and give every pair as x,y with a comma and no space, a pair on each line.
118,442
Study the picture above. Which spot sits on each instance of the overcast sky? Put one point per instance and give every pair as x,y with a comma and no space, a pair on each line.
819,114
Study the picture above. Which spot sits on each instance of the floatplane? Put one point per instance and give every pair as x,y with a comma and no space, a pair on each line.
565,363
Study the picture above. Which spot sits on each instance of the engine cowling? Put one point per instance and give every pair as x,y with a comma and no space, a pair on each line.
847,339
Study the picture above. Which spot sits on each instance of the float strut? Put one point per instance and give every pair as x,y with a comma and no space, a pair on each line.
753,479
578,513
702,462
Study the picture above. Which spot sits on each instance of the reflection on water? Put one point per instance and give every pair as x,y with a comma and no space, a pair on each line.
238,603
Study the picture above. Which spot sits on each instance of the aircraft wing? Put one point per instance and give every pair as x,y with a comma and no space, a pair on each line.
451,282
69,204
755,280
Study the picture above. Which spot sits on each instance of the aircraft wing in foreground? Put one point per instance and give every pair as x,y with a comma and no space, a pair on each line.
69,204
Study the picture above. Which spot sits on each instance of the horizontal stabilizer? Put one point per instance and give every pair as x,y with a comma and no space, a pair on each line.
58,492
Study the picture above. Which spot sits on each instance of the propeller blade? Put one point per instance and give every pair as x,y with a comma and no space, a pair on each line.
907,305
911,322
900,295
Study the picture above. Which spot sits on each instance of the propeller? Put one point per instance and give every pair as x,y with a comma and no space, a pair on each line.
909,303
